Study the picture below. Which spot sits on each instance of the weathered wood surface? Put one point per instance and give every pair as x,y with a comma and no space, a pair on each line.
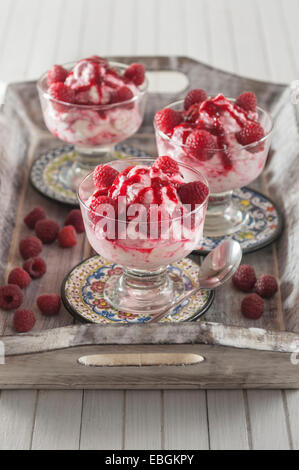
24,137
223,367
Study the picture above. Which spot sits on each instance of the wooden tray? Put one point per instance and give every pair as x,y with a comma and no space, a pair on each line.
225,350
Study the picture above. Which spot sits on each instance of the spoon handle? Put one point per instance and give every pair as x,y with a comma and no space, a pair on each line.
181,299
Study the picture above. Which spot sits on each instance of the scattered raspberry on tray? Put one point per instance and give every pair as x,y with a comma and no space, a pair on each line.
24,320
244,278
266,286
19,277
49,304
75,218
47,230
67,237
11,297
252,306
34,216
36,267
30,246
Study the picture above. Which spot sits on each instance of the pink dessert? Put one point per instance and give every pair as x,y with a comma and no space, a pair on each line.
95,103
222,138
144,217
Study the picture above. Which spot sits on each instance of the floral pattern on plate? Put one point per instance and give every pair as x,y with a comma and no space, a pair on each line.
264,227
83,287
44,173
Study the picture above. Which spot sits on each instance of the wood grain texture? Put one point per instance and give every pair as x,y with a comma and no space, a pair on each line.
143,420
17,409
223,367
185,420
271,431
227,433
292,416
102,420
57,420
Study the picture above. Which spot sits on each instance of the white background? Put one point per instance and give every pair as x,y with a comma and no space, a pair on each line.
255,38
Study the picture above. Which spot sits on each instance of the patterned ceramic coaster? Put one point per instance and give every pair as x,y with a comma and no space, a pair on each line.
264,226
44,173
82,293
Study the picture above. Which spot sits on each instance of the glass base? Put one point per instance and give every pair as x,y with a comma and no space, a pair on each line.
223,217
86,160
136,291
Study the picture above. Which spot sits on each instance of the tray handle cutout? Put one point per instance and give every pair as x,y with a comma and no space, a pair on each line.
140,360
167,81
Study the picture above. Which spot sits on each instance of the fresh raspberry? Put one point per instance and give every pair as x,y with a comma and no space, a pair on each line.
34,216
122,94
194,96
49,304
252,306
104,175
11,296
30,246
251,132
244,278
95,205
167,165
135,73
166,119
67,236
47,230
266,286
61,92
56,74
247,101
201,144
193,193
75,219
19,277
24,320
36,267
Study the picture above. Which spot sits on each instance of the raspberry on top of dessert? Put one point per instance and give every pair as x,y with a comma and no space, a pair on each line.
145,214
93,81
139,187
223,138
207,123
95,103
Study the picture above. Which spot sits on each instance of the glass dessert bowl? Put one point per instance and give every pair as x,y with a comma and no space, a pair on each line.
140,214
92,104
227,140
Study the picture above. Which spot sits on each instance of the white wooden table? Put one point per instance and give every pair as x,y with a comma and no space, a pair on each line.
256,38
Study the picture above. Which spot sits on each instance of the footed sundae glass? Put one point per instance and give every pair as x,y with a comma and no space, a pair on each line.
225,171
143,250
93,129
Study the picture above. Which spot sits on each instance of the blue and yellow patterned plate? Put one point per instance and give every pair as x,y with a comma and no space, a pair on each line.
82,294
44,173
264,226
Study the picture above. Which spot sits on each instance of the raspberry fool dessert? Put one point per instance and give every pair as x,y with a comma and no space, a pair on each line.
142,214
92,104
225,139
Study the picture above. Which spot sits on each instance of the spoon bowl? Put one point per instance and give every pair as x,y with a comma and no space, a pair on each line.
217,268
